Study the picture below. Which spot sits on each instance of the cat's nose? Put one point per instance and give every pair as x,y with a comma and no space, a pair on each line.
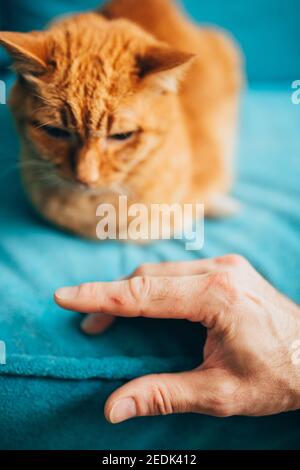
87,167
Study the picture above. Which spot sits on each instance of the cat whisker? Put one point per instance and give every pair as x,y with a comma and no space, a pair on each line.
45,124
43,99
28,164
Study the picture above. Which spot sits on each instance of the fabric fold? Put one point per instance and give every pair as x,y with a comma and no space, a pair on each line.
107,368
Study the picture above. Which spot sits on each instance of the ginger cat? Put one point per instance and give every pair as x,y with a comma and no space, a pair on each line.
134,99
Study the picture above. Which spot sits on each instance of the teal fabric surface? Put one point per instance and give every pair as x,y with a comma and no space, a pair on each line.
268,30
56,380
3,55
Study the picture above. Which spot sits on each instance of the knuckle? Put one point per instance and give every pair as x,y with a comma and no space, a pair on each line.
160,399
223,400
233,260
139,289
225,282
142,270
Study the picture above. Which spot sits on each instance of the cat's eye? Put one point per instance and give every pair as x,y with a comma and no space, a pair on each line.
56,132
122,136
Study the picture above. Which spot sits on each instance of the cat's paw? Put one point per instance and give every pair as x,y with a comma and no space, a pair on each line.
222,205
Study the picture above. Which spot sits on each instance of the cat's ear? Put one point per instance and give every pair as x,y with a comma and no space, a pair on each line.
164,67
28,51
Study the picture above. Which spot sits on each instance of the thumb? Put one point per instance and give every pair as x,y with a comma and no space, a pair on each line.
163,394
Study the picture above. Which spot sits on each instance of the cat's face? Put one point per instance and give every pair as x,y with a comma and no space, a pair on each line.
94,98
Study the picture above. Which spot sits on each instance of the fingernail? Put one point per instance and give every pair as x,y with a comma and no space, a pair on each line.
66,293
123,410
88,324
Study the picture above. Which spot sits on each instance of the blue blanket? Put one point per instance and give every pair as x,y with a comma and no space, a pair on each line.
56,380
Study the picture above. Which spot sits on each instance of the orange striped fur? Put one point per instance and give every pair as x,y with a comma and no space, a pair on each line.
134,99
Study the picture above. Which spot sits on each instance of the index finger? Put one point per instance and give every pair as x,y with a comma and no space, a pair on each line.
156,297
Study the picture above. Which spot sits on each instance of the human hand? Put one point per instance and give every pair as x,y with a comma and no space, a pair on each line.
247,367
